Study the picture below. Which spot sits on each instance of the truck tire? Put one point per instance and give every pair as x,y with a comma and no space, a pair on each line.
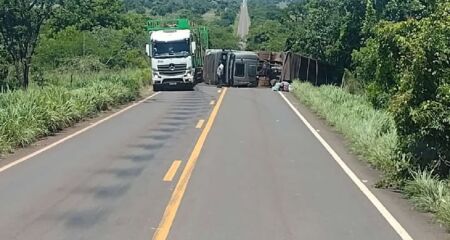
190,87
156,88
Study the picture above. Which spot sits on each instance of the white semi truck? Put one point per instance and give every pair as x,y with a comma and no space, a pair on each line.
176,51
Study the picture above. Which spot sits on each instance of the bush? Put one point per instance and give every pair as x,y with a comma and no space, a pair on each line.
267,35
84,64
406,66
99,48
351,84
222,37
27,115
426,191
430,194
8,78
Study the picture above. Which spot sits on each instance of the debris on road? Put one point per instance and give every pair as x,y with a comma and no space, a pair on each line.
282,86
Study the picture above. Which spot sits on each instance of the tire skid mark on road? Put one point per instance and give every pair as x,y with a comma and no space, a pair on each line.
170,212
23,159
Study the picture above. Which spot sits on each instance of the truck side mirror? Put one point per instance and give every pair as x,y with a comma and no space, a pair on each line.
193,47
148,50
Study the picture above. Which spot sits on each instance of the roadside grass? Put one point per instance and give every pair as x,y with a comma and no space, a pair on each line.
430,194
27,115
371,132
372,135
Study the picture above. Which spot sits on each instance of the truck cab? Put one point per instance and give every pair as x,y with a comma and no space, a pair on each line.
239,67
171,58
174,54
244,68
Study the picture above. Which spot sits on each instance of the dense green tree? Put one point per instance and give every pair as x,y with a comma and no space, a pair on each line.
20,25
88,14
406,67
110,37
370,18
4,67
266,32
400,10
95,34
168,7
264,10
268,35
327,30
222,37
112,48
398,51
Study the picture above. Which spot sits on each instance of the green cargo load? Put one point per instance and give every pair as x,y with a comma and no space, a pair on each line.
200,33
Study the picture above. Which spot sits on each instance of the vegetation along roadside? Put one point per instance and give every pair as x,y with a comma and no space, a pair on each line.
394,105
373,135
27,115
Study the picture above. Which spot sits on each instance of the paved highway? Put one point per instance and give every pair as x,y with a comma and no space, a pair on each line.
235,164
243,24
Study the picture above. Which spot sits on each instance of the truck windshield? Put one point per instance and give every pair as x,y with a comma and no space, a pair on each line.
169,49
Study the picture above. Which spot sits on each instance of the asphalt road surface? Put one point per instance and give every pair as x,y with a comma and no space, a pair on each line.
235,164
243,24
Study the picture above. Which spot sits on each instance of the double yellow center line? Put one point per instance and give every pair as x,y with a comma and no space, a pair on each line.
162,231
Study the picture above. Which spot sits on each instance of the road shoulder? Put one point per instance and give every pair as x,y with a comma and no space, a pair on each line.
419,225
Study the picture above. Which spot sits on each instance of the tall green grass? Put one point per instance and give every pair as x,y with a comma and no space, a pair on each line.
27,115
373,136
430,194
372,133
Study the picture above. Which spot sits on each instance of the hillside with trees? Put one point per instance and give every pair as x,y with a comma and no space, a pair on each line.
220,26
65,60
94,34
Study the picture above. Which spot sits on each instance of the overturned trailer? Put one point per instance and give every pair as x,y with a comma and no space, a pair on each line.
240,67
270,67
288,66
296,66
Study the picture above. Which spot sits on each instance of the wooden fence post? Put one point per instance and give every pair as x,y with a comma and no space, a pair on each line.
317,71
307,71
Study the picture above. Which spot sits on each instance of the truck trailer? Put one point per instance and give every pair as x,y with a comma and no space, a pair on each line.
177,49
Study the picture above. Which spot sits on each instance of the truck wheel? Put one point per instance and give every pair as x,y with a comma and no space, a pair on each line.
156,88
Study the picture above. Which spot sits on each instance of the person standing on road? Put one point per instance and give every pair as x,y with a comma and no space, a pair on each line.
220,75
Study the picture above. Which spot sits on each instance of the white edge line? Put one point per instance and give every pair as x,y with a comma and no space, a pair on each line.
372,198
23,159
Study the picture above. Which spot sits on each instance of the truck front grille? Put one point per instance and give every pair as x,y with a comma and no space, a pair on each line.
173,80
172,69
